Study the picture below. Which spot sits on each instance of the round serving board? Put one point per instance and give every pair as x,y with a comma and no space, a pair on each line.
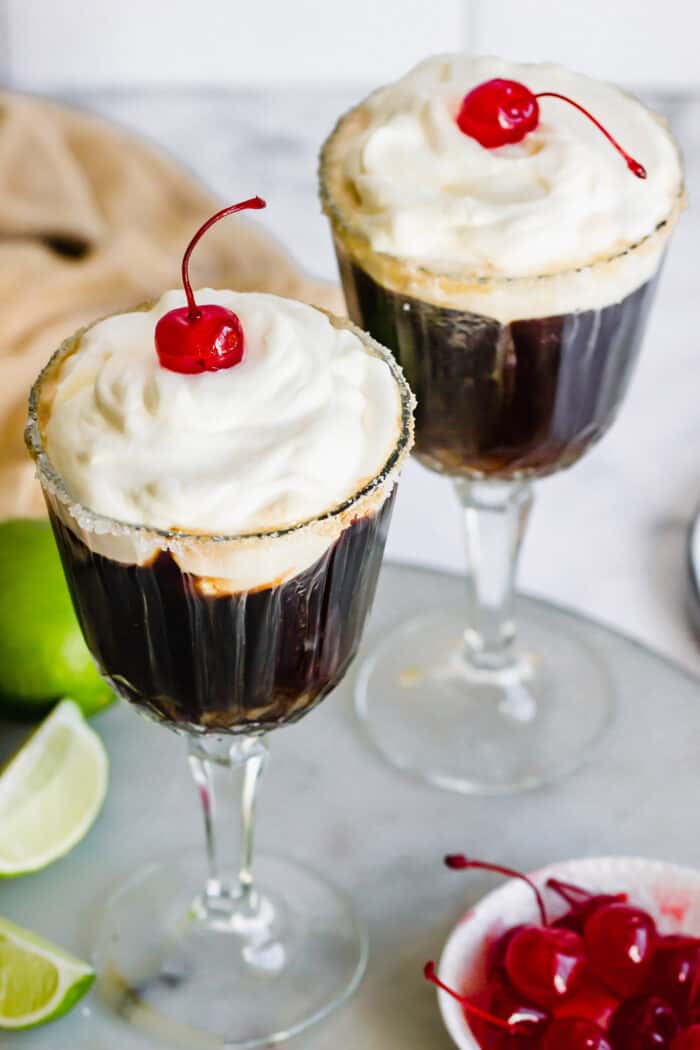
330,800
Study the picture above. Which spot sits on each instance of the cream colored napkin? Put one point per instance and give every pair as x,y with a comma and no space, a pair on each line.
93,219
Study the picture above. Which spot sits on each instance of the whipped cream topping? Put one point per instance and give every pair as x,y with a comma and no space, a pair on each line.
307,418
561,198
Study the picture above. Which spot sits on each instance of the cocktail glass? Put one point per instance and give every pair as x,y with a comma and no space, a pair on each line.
211,949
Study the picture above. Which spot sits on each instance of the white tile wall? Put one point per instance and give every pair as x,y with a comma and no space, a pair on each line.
651,42
94,42
105,42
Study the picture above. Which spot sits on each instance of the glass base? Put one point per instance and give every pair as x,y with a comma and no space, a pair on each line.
484,732
194,982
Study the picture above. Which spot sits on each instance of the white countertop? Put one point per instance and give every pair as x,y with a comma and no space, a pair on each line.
606,537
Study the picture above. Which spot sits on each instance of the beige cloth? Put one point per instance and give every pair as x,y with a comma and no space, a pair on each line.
92,220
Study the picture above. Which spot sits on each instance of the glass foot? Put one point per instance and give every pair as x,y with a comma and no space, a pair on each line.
484,733
187,980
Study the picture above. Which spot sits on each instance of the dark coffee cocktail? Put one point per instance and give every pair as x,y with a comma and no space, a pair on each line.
220,472
238,662
500,227
225,633
504,400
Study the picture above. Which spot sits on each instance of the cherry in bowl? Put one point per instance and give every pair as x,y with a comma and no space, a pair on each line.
648,884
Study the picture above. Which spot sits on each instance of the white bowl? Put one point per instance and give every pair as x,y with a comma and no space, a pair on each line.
671,894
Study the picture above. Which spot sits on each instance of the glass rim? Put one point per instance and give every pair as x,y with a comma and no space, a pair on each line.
343,227
102,523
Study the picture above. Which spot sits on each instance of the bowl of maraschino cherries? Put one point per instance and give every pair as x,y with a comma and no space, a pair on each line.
594,954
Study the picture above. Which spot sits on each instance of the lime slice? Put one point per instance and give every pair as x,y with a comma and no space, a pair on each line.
38,981
51,792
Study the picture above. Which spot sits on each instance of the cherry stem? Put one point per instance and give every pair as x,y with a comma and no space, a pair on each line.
458,862
575,896
635,167
569,892
194,311
430,975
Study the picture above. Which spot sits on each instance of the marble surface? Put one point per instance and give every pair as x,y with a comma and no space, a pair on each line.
606,537
329,801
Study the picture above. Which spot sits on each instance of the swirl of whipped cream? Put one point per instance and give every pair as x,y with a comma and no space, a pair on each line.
561,198
300,425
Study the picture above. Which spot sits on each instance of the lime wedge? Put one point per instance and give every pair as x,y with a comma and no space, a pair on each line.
38,981
51,792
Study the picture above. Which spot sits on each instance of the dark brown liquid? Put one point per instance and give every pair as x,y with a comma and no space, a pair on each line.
503,400
228,663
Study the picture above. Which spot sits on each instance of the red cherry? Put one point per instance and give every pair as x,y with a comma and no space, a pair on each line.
581,903
575,896
590,1001
574,1033
676,969
620,942
501,1000
192,338
516,1019
544,963
688,1039
214,340
693,1012
577,918
500,112
646,1022
496,953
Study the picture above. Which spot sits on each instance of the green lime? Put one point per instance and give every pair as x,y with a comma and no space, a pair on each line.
38,981
42,653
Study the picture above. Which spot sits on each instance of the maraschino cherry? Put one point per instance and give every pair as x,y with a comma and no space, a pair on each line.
500,999
647,1022
620,943
193,338
688,1039
544,963
517,1020
575,1033
581,903
600,977
501,112
590,1001
496,955
675,972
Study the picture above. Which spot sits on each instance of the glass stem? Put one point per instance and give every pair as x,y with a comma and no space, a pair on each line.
495,518
227,773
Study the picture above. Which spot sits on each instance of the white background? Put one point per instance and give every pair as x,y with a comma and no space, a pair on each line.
91,42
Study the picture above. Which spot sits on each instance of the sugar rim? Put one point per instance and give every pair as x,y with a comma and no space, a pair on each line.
333,520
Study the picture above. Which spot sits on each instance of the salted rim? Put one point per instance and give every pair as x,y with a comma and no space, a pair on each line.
339,515
329,176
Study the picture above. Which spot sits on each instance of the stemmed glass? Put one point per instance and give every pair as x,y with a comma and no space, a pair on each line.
213,951
515,378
